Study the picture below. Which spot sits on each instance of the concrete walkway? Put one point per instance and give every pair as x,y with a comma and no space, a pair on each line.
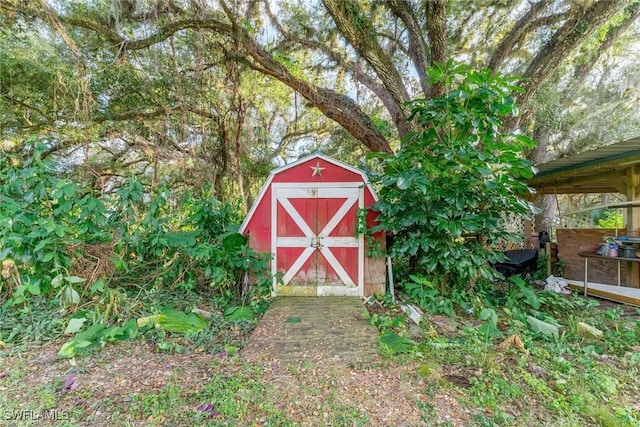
314,329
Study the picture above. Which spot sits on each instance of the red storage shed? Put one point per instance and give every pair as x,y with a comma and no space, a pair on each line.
307,216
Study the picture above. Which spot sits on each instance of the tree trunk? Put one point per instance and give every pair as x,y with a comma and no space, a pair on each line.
238,155
436,11
542,221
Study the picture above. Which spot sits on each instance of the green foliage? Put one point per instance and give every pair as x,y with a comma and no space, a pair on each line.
238,313
576,378
458,175
489,328
43,215
520,293
36,81
172,320
547,329
422,291
389,323
35,323
540,273
149,242
611,219
97,336
191,245
395,344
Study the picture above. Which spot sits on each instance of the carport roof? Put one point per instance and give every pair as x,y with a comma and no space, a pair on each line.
603,170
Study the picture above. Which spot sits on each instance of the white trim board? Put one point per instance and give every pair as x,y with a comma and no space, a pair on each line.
622,291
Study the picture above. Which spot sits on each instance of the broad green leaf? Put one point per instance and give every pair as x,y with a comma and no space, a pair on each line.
57,281
180,239
403,183
42,244
238,313
70,295
74,326
60,231
75,279
130,329
547,329
489,314
177,321
92,332
112,334
491,185
197,321
395,343
80,343
98,286
68,350
489,329
68,189
530,297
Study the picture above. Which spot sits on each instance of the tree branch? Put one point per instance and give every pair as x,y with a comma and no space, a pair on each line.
162,33
362,36
361,76
337,107
566,39
417,49
522,27
613,34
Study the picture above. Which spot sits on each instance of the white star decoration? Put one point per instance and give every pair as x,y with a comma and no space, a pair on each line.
317,170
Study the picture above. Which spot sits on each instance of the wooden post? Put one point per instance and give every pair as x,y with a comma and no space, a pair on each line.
633,221
528,230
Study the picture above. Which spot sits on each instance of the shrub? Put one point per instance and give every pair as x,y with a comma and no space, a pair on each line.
50,226
456,176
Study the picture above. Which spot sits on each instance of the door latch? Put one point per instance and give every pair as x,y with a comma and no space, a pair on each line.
315,243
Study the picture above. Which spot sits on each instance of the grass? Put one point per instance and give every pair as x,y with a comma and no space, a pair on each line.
572,380
224,400
234,394
453,375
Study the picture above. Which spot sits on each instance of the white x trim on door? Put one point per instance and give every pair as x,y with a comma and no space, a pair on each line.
311,242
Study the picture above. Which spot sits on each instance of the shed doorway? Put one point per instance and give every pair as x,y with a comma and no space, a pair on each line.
315,242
